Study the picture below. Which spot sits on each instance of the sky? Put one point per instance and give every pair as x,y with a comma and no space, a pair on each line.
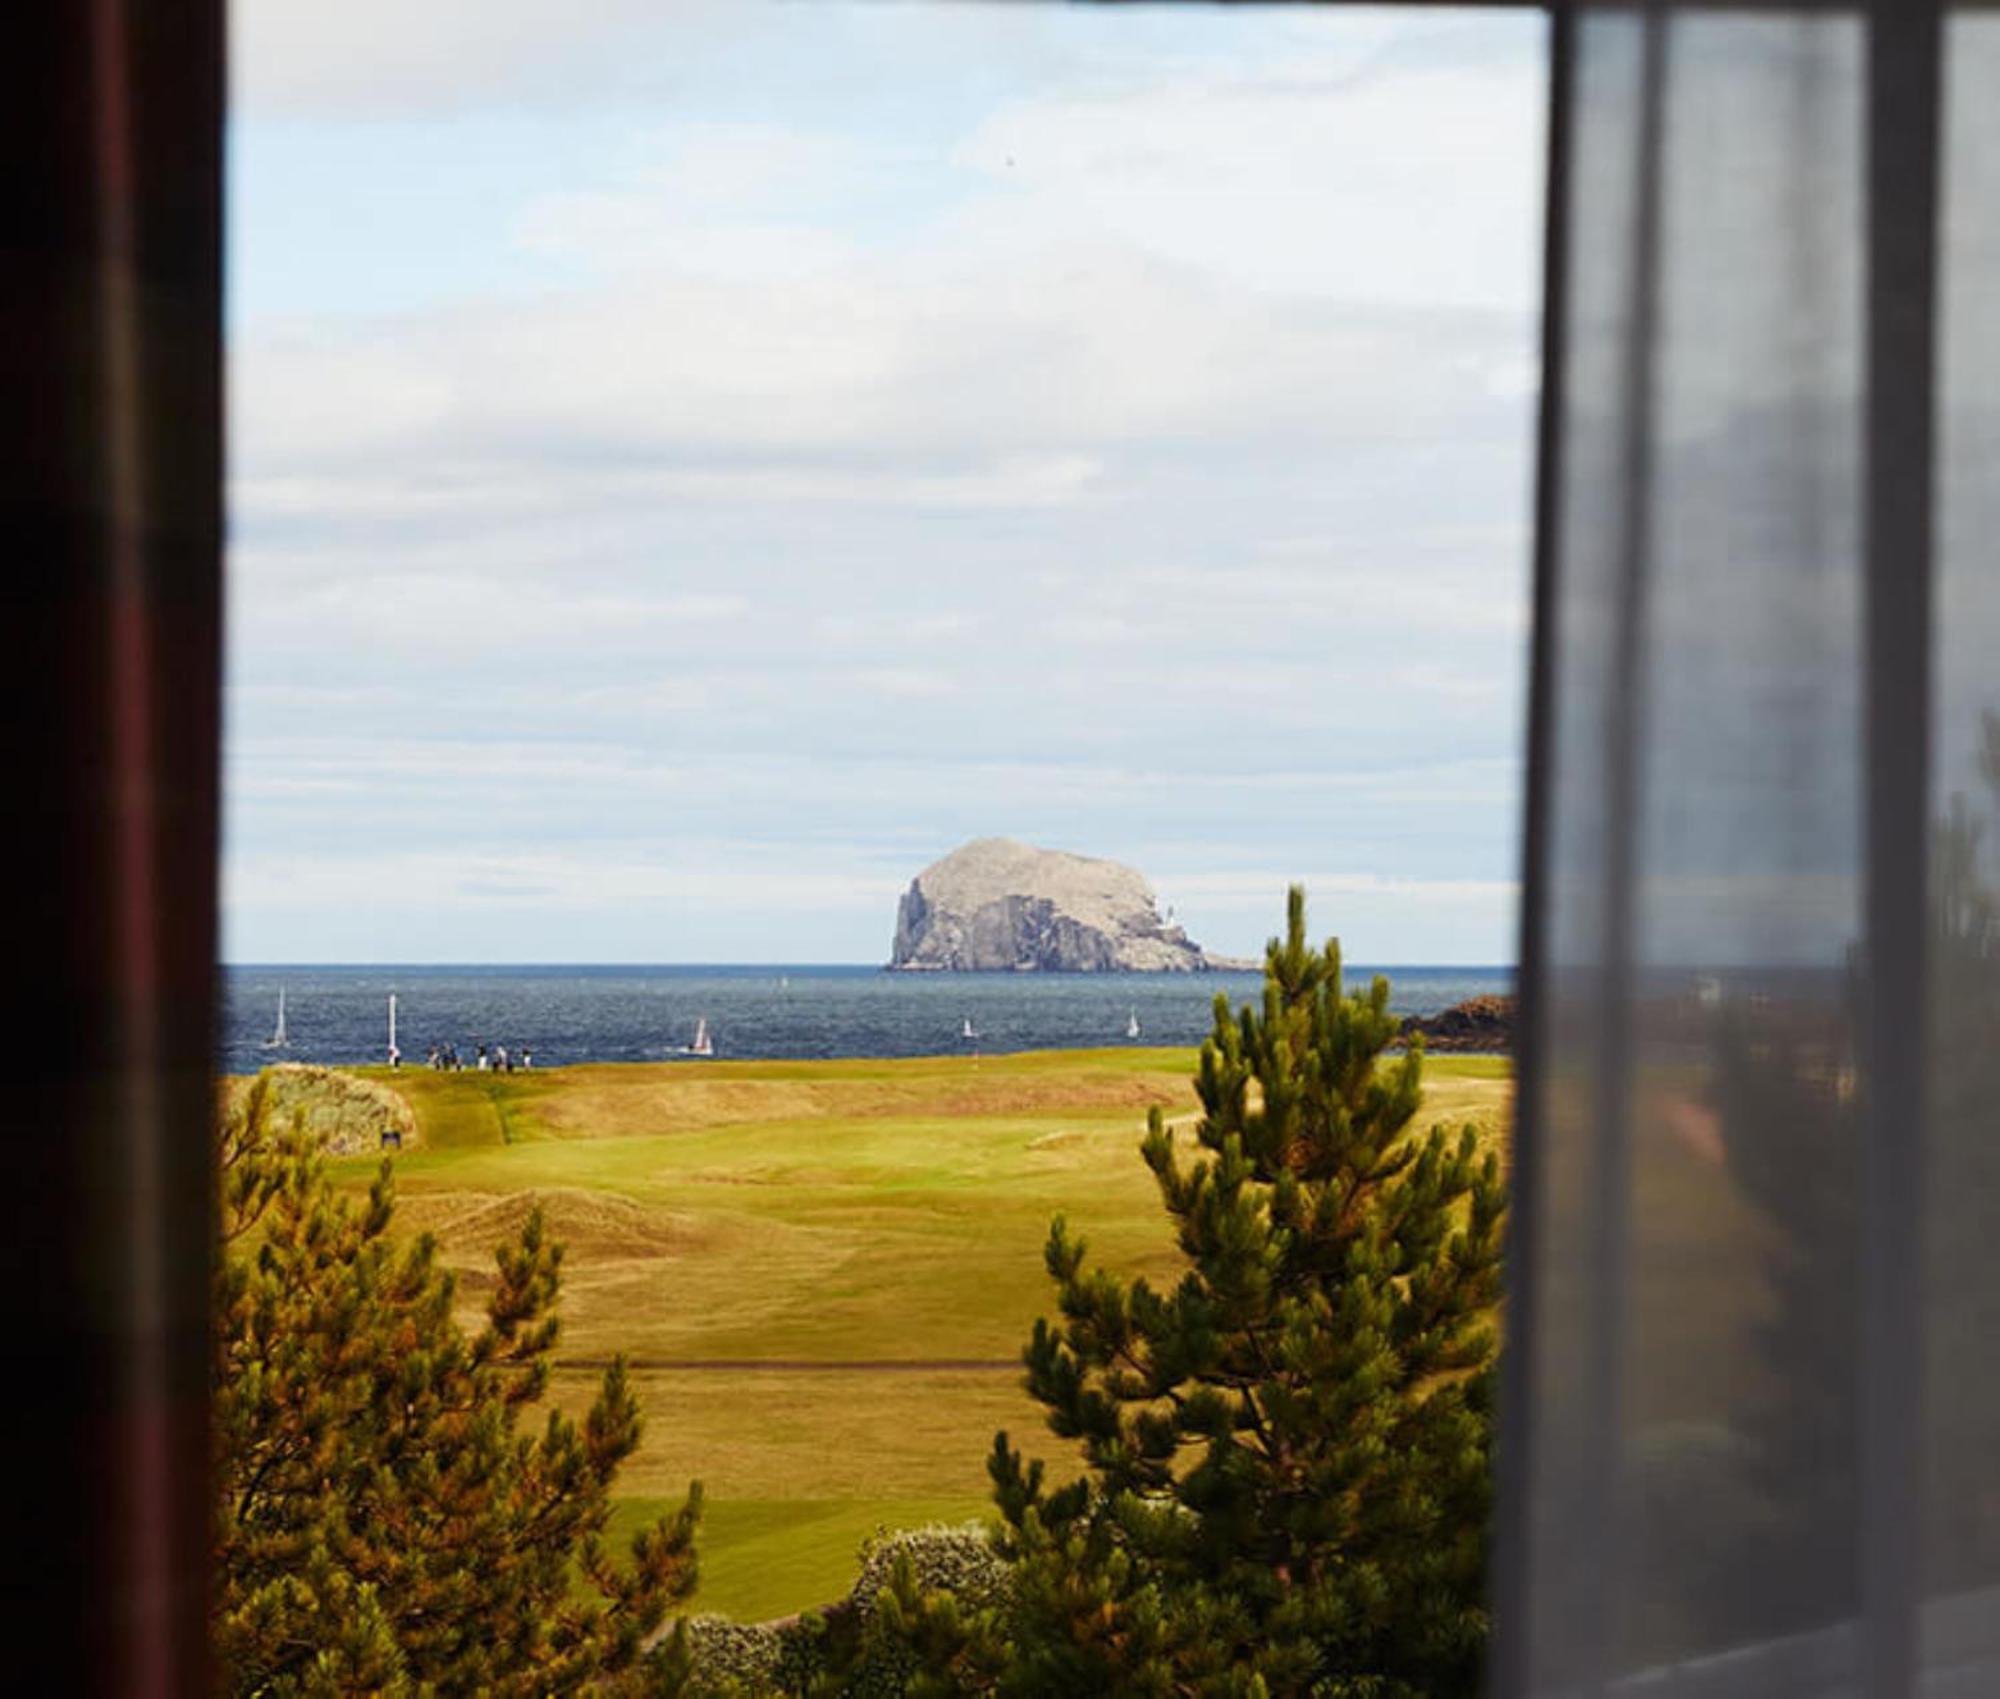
693,465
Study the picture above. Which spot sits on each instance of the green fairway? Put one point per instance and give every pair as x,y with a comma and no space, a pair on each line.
823,1273
762,1558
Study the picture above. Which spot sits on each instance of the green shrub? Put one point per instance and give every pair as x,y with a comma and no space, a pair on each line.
919,1604
752,1660
842,1651
957,1560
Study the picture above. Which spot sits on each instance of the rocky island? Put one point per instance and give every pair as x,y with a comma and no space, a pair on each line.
995,905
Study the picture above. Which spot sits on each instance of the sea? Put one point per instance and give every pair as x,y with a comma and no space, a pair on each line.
340,1015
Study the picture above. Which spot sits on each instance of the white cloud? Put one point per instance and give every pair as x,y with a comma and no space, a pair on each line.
1240,886
448,617
1032,376
717,200
368,58
914,684
374,56
1313,179
478,878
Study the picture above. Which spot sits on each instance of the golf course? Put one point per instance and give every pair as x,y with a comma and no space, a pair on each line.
822,1273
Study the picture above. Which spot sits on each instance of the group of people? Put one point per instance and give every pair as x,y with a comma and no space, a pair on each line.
445,1059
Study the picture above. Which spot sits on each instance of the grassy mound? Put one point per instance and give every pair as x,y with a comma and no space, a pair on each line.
350,1115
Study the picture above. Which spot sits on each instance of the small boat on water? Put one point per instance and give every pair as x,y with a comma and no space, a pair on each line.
703,1045
968,1030
278,1040
1132,1025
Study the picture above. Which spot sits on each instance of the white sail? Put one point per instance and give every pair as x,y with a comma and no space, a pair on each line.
1132,1025
278,1040
703,1045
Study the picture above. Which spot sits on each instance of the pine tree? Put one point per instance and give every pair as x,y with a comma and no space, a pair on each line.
1289,1453
383,1523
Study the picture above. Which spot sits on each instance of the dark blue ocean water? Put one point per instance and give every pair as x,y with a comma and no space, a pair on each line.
643,1014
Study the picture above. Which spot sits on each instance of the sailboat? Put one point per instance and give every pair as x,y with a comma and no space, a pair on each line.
968,1030
703,1045
1132,1025
278,1039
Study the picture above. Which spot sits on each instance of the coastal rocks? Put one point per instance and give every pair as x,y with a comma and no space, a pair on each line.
1479,1023
995,905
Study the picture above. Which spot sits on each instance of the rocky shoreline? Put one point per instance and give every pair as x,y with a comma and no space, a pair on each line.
1479,1024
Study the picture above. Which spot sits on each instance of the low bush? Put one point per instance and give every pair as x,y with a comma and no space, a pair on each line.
957,1560
751,1660
838,1651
